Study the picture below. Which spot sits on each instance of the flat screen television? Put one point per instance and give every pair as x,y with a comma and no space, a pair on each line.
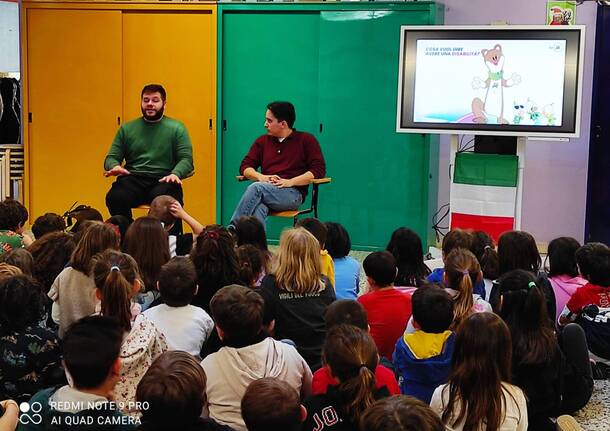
491,80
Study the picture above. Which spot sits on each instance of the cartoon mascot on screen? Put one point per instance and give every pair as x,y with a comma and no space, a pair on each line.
493,104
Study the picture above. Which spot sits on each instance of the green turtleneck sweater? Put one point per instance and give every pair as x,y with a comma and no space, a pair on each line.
152,149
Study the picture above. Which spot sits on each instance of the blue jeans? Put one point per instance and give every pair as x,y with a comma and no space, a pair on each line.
261,197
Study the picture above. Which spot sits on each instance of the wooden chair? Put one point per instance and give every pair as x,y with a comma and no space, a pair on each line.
294,214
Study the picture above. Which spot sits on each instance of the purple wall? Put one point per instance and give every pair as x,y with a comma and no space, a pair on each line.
555,178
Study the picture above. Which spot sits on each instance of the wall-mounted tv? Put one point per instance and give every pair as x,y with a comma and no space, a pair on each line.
491,80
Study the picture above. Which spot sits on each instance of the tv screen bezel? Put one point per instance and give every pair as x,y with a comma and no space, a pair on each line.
572,93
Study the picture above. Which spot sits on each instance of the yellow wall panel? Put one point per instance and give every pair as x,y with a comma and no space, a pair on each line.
177,49
74,94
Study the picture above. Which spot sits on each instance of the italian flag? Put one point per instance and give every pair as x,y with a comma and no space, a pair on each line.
484,192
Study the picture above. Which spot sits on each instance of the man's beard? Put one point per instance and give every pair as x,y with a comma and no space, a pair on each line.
153,118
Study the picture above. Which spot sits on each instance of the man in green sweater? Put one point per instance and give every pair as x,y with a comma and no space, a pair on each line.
157,152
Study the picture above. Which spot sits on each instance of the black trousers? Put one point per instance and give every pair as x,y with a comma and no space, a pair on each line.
130,191
578,384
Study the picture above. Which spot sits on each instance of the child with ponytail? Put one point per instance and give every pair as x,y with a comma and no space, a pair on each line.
462,273
479,395
351,357
554,373
117,280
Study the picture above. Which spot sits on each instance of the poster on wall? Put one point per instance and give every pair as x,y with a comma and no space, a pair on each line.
561,13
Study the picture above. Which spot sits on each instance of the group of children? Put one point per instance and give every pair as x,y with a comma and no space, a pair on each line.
119,325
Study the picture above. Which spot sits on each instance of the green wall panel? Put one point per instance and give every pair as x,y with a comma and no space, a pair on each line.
341,72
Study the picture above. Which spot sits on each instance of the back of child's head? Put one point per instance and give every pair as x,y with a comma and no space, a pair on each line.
250,230
456,238
19,257
270,404
462,272
47,223
594,263
316,228
251,263
523,308
352,357
159,209
91,347
214,257
400,413
96,238
115,274
297,266
83,216
173,389
518,250
432,309
380,266
348,312
178,281
338,243
406,247
21,303
238,312
13,215
481,362
483,248
561,253
51,253
8,271
146,241
121,222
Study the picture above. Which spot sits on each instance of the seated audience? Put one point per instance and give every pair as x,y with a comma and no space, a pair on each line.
318,229
250,230
270,404
400,413
47,223
117,280
423,358
168,210
555,375
91,350
73,291
478,395
484,250
13,216
51,254
30,354
349,312
406,247
173,389
21,258
121,223
251,265
296,294
248,355
351,356
185,326
388,309
347,269
215,262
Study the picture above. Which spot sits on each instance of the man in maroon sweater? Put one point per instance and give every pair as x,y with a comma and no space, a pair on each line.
288,159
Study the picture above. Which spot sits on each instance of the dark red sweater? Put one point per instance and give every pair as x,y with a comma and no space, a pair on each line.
297,154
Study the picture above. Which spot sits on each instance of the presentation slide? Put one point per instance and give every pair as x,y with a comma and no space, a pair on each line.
517,82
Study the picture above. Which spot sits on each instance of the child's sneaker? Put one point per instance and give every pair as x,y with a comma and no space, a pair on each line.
567,423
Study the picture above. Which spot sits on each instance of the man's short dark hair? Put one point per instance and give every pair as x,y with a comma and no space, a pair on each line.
270,404
316,228
432,309
338,243
12,214
594,263
90,348
178,281
381,267
238,312
46,223
154,88
283,111
346,311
